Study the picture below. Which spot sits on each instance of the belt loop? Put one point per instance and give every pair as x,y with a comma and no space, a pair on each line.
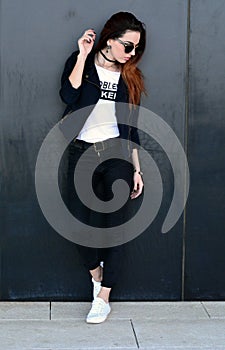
99,149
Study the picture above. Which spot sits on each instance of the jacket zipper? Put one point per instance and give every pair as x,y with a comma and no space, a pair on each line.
91,82
65,117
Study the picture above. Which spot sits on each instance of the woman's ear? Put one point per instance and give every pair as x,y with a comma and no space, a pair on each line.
109,42
108,47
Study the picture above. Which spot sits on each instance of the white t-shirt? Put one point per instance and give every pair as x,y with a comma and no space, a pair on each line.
102,123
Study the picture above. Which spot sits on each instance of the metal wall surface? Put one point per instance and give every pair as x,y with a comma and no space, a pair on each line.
205,224
36,38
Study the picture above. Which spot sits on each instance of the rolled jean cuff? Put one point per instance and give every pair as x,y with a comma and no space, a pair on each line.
107,285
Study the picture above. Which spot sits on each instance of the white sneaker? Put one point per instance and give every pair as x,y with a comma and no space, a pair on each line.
96,287
99,311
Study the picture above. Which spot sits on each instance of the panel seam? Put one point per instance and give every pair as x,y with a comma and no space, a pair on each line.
1,239
187,77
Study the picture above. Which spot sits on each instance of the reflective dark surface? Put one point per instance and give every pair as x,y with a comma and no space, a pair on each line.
188,263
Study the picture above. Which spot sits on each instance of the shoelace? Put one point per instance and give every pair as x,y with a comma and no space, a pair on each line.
97,306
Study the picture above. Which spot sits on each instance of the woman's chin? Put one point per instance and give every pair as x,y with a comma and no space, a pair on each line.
123,60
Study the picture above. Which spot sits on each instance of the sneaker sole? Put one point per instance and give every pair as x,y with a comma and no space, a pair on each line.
97,319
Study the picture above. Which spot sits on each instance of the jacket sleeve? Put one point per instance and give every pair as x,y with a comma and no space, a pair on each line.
134,129
67,92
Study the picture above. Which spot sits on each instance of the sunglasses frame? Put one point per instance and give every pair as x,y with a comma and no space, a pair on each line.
127,46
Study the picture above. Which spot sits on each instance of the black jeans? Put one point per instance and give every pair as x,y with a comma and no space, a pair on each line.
106,172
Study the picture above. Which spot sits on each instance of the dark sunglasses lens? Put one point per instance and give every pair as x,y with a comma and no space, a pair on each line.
129,48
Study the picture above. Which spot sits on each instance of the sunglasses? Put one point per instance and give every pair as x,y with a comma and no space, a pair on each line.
128,47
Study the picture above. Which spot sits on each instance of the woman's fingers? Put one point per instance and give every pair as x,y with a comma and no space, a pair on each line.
135,193
86,42
138,187
89,35
86,38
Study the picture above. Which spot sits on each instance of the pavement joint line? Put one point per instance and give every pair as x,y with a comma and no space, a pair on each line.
50,310
205,309
135,335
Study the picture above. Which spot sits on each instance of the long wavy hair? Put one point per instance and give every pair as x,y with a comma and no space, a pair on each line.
114,28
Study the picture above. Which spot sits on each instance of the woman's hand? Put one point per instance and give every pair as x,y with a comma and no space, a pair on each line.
86,42
138,186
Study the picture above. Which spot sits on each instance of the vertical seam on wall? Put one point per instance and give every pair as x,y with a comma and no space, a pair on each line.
1,105
187,76
1,100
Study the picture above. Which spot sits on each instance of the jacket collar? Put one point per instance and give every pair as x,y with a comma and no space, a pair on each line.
91,74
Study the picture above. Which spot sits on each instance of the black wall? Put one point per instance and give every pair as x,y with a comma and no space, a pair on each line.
184,68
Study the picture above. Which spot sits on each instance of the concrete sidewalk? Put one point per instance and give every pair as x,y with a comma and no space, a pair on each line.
131,325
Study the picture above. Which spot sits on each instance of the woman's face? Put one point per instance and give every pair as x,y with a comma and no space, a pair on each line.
120,47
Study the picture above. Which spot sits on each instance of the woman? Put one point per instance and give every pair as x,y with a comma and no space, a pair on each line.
101,78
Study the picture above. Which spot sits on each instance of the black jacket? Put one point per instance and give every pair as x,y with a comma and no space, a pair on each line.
88,94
